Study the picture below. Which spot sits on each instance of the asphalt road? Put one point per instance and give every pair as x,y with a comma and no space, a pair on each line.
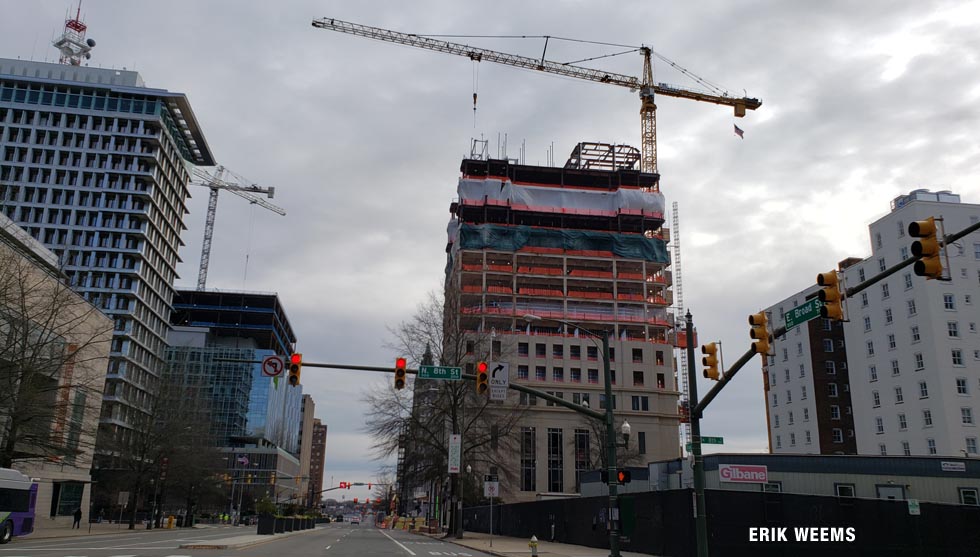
330,540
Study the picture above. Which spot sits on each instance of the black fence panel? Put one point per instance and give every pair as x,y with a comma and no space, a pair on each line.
662,523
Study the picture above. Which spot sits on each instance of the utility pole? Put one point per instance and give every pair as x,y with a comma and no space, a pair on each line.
700,521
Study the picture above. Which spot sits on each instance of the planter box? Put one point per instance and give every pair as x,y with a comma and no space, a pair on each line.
267,525
280,525
288,523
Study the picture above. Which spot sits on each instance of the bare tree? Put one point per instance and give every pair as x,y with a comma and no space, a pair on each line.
598,456
54,349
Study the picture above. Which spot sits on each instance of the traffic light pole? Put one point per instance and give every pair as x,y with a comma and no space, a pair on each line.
700,520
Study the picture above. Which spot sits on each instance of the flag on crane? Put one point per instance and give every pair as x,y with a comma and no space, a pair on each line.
739,132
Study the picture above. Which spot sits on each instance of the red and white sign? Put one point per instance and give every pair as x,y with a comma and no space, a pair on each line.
743,473
272,366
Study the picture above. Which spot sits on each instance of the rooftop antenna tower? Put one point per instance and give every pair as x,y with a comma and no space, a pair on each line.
72,44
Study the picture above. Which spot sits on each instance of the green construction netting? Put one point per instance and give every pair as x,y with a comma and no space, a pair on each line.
513,238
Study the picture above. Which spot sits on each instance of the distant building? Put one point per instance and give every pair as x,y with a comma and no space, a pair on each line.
807,386
308,408
317,456
73,337
913,344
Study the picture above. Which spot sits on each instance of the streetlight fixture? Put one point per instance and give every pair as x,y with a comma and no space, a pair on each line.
611,443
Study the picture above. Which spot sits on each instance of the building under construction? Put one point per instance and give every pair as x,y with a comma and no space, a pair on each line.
583,244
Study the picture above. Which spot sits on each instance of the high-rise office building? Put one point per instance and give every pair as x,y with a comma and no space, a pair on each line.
913,345
94,164
583,244
305,445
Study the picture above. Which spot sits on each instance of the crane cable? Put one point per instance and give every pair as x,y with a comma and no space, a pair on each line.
476,86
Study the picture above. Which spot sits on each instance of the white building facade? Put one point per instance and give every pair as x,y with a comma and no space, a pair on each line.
913,344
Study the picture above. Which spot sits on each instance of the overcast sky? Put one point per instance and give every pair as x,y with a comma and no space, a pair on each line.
862,101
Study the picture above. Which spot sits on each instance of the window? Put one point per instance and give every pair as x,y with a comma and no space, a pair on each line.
884,290
555,461
575,375
949,302
834,412
779,442
896,370
911,306
522,372
888,316
881,264
528,472
931,446
785,354
806,414
923,390
775,420
593,376
968,496
809,439
637,355
540,350
789,418
971,445
875,399
558,374
637,378
861,275
961,386
832,389
903,252
789,396
901,229
792,439
828,324
636,403
582,454
882,450
891,342
838,435
878,239
803,392
828,345
957,357
786,373
872,373
799,348
469,347
661,381
927,418
966,416
903,424
864,298
844,490
898,395
775,400
660,357
641,442
557,351
906,450
915,334
522,349
592,353
802,370
871,348
908,280
953,329
919,362
575,352
540,373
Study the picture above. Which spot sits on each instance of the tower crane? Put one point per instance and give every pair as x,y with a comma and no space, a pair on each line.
645,85
242,188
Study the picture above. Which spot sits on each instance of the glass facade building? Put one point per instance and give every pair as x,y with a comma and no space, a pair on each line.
94,164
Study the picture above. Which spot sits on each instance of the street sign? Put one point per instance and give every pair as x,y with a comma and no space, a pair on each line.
499,380
455,446
272,366
914,508
123,498
489,477
802,314
708,441
440,372
491,489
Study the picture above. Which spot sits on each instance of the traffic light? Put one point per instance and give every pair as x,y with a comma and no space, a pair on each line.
355,500
759,332
830,296
624,476
926,249
343,485
369,487
710,361
348,485
482,378
295,366
400,364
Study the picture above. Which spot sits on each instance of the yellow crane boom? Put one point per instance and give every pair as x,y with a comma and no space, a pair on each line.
645,86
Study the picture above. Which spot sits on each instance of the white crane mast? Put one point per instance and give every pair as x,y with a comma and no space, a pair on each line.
679,298
217,182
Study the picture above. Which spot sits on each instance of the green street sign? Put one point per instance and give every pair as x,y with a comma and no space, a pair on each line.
804,313
440,372
708,441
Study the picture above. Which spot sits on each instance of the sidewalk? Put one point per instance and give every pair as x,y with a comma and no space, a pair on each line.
511,547
46,531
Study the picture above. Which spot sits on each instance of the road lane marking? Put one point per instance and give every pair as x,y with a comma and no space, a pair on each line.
328,547
410,552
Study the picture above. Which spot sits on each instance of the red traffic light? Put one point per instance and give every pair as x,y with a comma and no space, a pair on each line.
482,367
401,362
296,359
343,485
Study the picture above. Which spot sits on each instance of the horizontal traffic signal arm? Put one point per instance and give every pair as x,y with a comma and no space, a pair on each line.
468,376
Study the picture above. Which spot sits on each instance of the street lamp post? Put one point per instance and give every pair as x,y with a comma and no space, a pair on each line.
611,443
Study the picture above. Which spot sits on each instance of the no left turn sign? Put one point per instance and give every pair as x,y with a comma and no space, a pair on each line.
272,366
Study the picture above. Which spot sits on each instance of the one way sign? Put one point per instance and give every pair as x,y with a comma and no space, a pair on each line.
499,380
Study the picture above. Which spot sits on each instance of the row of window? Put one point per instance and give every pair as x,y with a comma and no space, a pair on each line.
575,375
639,403
834,415
966,418
584,458
832,391
970,444
575,352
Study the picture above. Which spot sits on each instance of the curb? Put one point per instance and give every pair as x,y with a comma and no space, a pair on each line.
243,544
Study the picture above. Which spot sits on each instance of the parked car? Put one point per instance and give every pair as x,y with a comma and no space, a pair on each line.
339,518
